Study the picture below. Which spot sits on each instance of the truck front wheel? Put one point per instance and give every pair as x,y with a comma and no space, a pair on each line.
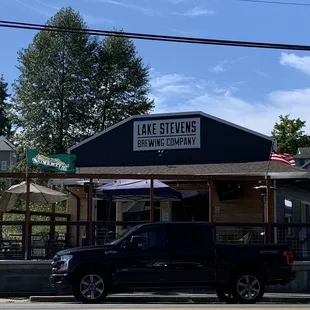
248,288
224,294
90,287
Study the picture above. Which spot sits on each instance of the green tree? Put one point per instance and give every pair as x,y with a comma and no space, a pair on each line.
73,85
5,124
290,135
52,91
121,84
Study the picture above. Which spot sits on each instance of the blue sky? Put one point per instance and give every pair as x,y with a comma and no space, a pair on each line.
250,87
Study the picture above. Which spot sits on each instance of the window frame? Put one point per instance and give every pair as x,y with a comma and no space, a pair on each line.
144,229
4,162
200,246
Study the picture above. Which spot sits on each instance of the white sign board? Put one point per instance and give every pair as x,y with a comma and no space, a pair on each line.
168,134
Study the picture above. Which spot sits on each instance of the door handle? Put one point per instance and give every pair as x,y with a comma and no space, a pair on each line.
160,265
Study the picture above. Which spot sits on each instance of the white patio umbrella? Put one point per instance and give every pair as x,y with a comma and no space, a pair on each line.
38,194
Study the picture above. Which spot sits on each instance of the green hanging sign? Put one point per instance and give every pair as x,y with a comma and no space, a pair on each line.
58,162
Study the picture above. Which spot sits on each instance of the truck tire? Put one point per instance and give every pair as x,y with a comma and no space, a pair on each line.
224,294
248,288
90,287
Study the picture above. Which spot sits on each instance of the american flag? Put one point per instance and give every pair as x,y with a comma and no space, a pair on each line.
283,158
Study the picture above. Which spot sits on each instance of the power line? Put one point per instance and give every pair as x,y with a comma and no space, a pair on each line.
277,2
153,37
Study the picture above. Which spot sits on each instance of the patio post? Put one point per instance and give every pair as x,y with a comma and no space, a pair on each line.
27,219
90,212
53,218
269,210
211,201
152,206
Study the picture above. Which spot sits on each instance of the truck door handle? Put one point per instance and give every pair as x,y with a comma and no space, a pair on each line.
160,265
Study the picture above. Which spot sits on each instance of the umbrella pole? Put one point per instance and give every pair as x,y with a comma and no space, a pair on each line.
152,206
27,219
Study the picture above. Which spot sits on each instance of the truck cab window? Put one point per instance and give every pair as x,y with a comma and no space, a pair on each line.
152,237
189,236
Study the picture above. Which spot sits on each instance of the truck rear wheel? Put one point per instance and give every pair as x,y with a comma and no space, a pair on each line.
248,288
90,287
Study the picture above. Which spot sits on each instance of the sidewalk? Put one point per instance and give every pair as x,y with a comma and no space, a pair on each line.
174,297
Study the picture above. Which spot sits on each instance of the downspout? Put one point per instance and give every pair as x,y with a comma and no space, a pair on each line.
78,215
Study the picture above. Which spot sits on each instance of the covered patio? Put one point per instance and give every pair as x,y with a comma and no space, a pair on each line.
181,177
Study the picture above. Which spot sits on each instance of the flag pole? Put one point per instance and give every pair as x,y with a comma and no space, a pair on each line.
268,205
27,213
268,167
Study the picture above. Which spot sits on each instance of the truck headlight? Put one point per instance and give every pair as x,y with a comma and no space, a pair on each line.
64,262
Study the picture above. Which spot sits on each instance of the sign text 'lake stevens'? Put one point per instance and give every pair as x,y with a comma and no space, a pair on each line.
169,134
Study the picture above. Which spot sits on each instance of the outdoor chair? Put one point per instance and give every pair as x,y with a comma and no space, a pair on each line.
52,243
38,245
10,248
246,238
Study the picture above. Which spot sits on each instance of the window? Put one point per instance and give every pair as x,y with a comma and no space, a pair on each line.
190,236
152,236
4,165
288,203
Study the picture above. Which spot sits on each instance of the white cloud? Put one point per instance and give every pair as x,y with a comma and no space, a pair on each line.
182,32
261,73
35,9
51,9
160,81
90,19
225,65
220,67
93,20
174,1
294,61
57,8
196,11
224,102
144,10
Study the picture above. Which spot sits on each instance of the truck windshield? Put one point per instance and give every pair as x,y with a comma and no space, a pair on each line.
119,238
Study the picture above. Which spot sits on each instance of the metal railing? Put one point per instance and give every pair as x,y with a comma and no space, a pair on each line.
11,246
296,236
48,237
246,233
105,232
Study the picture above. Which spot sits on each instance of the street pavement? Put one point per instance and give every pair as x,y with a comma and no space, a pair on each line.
177,297
70,306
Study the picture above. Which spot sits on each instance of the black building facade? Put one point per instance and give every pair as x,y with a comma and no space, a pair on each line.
172,139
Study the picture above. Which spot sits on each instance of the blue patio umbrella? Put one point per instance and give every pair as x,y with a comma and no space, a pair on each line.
124,189
135,190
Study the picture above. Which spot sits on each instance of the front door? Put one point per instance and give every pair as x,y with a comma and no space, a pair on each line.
192,254
147,265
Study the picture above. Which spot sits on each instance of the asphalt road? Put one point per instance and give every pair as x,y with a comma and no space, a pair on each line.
69,306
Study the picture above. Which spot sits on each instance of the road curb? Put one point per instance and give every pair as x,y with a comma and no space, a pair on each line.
168,299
